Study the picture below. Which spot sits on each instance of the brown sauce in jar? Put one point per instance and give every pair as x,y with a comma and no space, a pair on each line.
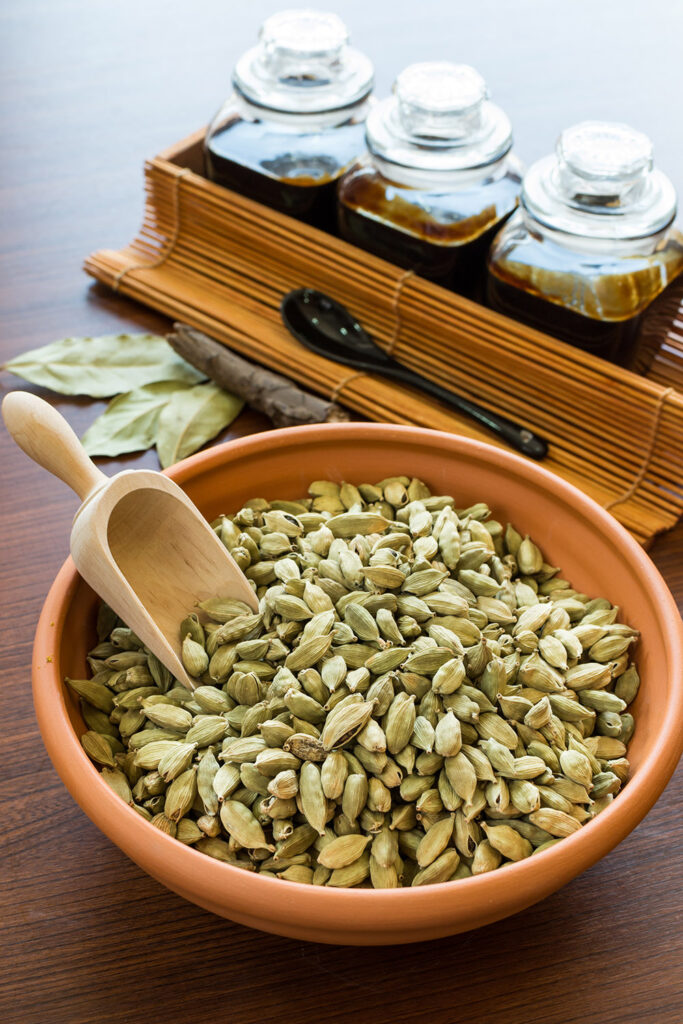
457,267
309,199
621,310
613,340
295,174
449,252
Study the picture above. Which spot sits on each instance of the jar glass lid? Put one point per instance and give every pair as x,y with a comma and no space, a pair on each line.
601,183
439,118
303,64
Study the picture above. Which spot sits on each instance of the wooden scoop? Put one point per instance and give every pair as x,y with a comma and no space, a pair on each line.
137,539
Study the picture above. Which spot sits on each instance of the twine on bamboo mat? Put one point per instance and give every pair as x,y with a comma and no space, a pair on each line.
396,310
336,392
647,458
161,259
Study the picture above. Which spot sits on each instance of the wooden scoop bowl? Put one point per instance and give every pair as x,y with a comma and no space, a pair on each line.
137,539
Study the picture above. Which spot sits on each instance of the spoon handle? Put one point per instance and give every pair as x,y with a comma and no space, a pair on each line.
47,438
518,437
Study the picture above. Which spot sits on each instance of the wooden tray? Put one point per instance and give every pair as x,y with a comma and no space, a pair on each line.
220,262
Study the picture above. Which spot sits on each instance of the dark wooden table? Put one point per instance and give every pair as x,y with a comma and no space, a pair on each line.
89,91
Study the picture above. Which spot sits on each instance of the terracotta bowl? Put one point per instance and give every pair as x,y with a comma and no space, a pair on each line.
595,553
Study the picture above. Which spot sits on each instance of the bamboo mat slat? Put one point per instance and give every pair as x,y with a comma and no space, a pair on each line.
221,263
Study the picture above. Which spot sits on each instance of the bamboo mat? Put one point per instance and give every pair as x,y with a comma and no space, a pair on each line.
221,263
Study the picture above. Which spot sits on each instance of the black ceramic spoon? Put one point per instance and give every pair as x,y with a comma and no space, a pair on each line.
328,329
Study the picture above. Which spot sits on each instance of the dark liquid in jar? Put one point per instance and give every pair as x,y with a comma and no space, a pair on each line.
450,252
616,341
460,267
295,174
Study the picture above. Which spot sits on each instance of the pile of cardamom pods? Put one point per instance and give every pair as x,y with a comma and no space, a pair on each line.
420,697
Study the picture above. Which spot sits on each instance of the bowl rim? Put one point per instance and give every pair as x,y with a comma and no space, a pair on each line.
176,861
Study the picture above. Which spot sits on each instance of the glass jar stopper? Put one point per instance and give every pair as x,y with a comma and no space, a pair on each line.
599,160
302,44
440,100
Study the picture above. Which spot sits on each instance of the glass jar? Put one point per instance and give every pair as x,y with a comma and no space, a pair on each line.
438,177
592,245
295,119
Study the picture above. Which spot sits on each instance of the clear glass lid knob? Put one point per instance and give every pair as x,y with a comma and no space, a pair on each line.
303,64
440,100
302,44
603,160
439,118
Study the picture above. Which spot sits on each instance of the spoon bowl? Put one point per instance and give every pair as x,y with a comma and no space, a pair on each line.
137,539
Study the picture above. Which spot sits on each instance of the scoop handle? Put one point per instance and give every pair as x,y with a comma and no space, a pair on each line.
47,438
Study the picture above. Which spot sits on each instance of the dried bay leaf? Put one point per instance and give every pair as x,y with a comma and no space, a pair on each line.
191,418
102,366
129,423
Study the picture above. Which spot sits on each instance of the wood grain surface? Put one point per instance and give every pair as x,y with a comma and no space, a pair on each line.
88,92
